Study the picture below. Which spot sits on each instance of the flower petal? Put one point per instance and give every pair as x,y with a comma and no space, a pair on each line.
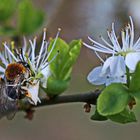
115,65
46,73
118,67
116,79
132,59
33,91
107,65
95,78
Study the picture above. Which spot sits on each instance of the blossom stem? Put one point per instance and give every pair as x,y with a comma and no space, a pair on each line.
128,76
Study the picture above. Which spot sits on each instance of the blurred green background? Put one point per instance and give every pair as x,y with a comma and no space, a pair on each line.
78,19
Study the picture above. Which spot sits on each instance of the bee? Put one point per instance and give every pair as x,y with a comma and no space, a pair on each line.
11,88
15,76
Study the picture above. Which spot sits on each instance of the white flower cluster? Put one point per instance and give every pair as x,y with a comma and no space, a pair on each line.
38,63
124,55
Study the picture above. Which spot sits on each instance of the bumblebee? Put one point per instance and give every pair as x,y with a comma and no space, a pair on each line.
12,88
15,77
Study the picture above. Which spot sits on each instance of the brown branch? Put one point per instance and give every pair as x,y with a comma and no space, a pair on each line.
90,98
24,105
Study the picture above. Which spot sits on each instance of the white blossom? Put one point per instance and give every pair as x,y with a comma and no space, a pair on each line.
112,71
127,48
38,64
123,55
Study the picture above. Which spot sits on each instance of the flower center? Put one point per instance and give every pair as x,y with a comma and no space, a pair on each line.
124,53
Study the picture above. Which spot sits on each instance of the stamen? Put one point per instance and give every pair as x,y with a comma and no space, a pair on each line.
33,44
106,42
44,66
24,45
97,49
45,54
59,29
99,56
118,47
41,50
131,32
100,45
5,45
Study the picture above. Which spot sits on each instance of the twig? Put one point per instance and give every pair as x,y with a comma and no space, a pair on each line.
90,98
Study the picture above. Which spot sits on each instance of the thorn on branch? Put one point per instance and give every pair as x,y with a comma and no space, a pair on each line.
29,114
87,107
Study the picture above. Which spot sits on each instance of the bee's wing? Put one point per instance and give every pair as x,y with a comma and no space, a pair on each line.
7,106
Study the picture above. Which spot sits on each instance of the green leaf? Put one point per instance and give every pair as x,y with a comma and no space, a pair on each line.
7,30
136,95
135,82
113,99
71,57
62,65
97,117
75,47
30,18
125,116
58,62
7,8
55,86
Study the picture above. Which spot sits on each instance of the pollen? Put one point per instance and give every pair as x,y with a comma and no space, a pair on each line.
28,94
13,70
